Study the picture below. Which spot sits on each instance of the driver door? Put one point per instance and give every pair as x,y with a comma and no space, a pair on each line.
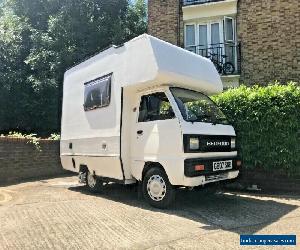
157,133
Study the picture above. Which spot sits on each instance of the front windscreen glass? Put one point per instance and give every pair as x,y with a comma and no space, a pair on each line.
197,107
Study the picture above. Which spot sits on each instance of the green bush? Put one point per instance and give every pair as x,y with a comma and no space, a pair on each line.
267,123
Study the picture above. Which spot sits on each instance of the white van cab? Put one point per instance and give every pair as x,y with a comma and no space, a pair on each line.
140,112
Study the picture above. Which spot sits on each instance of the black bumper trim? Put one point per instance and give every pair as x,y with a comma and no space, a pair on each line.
189,166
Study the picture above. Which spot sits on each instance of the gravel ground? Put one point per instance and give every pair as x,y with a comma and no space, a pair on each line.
59,214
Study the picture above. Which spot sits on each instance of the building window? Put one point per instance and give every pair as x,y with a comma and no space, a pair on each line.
228,29
203,35
214,39
215,33
97,93
190,37
155,107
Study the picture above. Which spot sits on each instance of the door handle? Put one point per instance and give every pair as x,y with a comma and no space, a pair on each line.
140,132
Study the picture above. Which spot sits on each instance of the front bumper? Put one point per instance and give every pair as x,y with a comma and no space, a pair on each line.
194,178
189,166
202,180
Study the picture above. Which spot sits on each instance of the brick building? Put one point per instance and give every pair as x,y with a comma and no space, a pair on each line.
250,41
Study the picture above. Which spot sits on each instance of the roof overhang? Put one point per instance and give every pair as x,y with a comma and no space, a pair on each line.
211,9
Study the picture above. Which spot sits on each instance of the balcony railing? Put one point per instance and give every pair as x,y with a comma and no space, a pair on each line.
225,56
193,2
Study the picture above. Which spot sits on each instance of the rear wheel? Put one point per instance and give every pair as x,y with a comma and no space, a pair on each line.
157,189
93,183
218,67
228,68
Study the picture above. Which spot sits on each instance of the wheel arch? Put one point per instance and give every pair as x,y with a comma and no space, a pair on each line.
83,168
150,164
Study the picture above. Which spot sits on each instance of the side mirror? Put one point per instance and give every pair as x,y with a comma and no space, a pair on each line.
171,113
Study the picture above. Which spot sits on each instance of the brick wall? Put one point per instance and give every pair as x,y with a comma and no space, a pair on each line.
269,181
20,160
165,20
269,31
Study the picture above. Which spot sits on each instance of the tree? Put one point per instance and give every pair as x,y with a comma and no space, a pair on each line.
14,92
136,19
53,35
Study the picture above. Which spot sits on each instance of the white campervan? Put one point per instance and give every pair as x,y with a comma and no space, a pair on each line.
140,112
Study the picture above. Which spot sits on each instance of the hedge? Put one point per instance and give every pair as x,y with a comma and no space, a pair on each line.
267,123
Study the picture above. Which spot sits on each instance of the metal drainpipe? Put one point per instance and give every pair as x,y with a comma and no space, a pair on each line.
178,22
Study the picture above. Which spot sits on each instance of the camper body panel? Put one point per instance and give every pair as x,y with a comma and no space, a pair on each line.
105,166
91,138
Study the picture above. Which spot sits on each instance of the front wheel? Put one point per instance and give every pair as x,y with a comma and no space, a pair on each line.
157,189
93,183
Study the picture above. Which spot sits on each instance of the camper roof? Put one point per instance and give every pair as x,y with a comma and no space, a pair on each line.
146,61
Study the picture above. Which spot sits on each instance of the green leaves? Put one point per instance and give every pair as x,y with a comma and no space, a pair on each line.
40,39
267,121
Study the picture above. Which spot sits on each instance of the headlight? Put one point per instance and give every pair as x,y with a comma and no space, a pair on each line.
232,143
194,143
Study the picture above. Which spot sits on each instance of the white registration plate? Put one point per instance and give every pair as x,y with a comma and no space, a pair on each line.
222,165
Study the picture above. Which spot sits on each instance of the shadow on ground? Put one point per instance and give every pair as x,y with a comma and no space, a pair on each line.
39,178
230,212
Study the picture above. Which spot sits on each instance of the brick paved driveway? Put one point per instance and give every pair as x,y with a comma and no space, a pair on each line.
60,214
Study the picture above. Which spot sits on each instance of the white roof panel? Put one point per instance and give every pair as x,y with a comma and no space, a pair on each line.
146,61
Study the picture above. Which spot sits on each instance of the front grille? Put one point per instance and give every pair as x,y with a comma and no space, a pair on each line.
209,143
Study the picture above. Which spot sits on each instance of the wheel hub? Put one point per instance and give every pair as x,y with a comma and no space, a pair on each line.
156,187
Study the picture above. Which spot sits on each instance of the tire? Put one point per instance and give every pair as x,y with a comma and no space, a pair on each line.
157,189
228,68
93,183
218,67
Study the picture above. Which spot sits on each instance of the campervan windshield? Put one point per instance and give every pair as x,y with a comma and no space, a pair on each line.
197,107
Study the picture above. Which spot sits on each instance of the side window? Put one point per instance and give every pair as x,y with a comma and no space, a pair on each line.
155,107
97,93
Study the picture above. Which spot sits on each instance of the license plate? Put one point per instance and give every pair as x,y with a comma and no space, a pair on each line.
222,165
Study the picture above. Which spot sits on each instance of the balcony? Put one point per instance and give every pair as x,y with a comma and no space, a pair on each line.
225,56
194,2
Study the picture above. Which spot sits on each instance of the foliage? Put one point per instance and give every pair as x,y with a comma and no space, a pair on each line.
267,122
54,137
40,39
32,138
136,20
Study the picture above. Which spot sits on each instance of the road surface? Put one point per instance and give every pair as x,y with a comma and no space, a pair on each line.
60,214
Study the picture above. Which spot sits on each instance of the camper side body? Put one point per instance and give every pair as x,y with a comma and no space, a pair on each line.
123,120
91,138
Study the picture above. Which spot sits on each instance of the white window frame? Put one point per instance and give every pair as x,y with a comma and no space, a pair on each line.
185,35
233,29
198,29
220,31
208,22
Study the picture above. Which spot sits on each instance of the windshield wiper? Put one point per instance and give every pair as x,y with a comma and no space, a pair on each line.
211,119
220,120
200,119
